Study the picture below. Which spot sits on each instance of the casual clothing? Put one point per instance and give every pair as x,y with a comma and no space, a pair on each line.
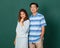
38,44
36,23
22,35
21,42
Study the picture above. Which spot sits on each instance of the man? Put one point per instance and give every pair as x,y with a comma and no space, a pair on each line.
37,27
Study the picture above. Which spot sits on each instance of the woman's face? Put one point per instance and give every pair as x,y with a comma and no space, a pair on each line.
22,14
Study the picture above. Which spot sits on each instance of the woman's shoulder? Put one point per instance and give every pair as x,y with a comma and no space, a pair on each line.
26,21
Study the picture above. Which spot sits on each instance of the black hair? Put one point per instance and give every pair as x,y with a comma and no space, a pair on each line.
34,4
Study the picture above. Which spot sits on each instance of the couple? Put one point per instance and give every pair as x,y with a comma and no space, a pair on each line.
30,30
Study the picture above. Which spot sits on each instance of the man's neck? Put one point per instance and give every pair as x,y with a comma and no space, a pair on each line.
34,14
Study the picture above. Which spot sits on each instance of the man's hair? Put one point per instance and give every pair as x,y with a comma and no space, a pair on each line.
34,4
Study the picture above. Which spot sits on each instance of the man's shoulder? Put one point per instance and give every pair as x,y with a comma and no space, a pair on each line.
30,16
37,15
40,15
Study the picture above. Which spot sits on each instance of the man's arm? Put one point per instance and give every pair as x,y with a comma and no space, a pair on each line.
43,31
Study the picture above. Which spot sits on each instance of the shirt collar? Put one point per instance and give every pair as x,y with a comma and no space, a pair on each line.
35,15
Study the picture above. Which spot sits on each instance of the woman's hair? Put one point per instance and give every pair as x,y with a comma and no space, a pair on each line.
19,17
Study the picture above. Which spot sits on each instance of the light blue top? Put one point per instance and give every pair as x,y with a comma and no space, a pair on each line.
22,31
36,23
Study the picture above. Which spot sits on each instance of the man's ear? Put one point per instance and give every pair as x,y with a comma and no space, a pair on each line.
37,8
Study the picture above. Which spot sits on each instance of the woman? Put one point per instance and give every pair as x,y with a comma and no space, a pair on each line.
21,40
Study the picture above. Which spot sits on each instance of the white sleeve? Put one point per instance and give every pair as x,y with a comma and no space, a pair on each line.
26,26
17,27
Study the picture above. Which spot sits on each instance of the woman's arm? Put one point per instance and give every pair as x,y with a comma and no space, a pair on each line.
15,41
26,26
16,34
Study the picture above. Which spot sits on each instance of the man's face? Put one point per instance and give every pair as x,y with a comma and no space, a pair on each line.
33,8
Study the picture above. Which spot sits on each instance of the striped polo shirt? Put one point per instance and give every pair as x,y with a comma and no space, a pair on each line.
36,23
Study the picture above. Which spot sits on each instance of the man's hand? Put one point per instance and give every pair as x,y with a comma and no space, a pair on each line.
42,33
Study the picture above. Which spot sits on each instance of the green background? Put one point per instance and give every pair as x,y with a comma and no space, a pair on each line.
8,20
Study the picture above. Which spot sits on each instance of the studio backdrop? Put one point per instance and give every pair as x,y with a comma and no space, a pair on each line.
8,20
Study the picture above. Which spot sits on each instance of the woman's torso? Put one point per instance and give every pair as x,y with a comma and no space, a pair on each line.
22,31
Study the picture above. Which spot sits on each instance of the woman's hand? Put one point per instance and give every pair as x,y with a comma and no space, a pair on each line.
21,22
14,42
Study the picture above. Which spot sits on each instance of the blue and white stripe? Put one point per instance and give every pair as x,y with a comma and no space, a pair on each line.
36,23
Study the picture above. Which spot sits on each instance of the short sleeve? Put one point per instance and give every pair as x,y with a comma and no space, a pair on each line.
43,22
